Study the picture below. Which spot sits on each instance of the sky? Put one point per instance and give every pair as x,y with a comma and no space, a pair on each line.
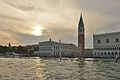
24,22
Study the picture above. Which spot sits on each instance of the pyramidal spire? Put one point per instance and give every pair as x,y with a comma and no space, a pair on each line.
81,20
9,45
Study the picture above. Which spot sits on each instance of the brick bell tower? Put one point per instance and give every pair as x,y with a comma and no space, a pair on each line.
81,35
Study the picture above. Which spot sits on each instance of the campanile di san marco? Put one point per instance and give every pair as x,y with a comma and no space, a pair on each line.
81,35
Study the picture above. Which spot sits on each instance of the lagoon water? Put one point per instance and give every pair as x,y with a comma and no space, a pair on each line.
54,69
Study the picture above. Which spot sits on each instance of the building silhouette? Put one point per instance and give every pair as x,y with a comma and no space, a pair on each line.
106,45
81,35
55,49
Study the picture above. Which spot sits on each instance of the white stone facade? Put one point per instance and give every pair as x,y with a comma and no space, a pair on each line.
55,49
106,45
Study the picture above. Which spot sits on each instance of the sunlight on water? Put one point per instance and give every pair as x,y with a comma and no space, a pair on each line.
53,69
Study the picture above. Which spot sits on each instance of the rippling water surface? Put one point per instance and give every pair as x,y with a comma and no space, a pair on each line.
53,69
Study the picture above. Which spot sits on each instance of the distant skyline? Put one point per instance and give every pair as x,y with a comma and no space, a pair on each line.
31,21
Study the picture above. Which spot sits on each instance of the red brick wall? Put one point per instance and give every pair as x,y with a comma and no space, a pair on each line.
81,41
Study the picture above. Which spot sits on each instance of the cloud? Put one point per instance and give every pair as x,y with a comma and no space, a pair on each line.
11,18
58,17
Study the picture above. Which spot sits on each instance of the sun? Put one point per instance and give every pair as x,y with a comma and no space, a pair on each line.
37,30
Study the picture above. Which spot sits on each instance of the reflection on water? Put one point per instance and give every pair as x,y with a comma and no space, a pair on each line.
53,69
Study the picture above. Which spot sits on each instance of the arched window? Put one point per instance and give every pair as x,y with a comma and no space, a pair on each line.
95,53
112,53
102,53
117,48
105,53
107,40
117,40
113,48
98,53
115,53
99,41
